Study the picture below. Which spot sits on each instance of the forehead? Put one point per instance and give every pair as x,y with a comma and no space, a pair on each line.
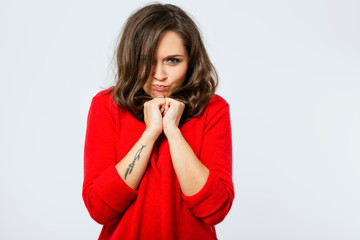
170,43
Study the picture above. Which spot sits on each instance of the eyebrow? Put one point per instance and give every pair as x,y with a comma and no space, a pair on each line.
169,56
175,55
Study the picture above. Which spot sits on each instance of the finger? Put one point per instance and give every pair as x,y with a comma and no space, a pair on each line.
171,101
158,101
162,110
155,103
167,105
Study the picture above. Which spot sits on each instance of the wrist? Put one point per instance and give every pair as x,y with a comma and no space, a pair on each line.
151,135
171,131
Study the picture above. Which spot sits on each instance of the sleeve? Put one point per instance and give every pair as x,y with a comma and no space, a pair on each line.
214,200
105,194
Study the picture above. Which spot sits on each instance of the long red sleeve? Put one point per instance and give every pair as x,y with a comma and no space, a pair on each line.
157,208
105,194
214,201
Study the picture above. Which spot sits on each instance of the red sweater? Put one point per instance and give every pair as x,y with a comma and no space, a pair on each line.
157,209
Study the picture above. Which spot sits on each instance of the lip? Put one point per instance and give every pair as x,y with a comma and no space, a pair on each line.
159,87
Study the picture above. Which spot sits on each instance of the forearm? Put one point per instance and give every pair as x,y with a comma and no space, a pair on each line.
191,172
132,167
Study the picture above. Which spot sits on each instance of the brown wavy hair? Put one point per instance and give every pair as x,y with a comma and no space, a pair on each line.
135,52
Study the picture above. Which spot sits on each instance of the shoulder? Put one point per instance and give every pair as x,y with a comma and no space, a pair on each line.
217,99
103,95
216,107
103,99
217,103
216,113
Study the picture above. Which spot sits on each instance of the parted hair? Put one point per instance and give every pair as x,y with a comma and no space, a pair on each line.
135,52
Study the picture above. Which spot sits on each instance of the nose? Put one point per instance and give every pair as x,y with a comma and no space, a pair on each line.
159,72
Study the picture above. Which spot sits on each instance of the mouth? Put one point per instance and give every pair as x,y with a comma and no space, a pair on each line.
159,87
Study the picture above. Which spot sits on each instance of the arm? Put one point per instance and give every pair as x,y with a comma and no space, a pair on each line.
106,192
132,167
206,183
190,171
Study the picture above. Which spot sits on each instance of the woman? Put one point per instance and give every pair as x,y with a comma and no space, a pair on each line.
158,151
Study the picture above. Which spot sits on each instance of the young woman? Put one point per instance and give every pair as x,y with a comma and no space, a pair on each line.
158,149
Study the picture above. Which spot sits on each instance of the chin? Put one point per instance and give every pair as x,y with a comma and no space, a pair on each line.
155,94
159,95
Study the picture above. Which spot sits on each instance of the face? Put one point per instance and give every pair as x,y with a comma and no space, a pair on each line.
169,67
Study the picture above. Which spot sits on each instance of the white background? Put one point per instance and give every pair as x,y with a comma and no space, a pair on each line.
290,71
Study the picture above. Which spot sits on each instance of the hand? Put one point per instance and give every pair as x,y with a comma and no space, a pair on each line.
172,114
153,111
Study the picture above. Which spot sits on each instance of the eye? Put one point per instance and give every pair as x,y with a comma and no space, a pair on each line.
173,61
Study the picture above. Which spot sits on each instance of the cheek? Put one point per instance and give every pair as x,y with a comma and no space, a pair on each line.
179,75
146,87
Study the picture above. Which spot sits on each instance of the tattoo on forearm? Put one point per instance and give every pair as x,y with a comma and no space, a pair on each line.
131,165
